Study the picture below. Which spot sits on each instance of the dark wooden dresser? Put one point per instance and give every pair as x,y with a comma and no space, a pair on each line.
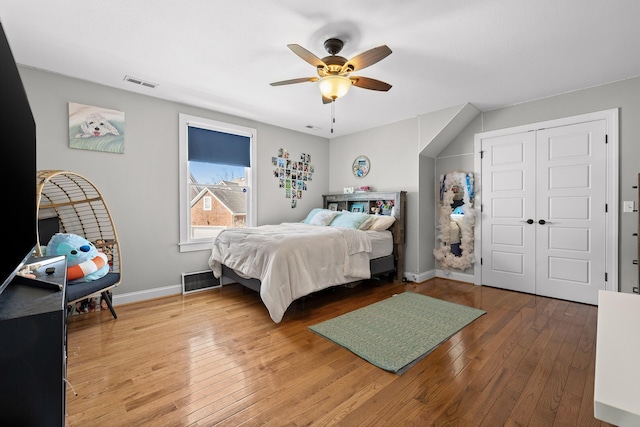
33,355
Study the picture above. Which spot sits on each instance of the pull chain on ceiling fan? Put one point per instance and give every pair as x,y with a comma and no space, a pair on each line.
333,114
334,71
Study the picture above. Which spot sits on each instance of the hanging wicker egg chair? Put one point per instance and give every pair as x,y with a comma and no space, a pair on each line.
81,210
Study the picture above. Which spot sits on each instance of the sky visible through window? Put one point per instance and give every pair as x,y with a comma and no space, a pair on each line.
213,173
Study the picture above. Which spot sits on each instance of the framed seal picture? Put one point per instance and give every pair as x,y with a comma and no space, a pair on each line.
361,166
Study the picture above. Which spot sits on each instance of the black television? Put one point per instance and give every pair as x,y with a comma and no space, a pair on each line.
18,168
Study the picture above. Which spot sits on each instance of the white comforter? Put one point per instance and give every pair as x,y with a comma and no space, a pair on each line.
292,259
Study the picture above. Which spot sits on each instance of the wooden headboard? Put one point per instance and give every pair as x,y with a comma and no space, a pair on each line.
370,200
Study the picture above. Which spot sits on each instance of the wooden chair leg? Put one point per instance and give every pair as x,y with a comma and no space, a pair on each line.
105,296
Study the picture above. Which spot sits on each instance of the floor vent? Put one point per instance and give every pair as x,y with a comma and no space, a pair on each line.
199,281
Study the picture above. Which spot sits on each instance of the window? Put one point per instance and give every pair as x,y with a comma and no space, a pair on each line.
217,180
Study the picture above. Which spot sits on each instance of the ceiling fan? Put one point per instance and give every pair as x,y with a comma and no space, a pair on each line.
334,71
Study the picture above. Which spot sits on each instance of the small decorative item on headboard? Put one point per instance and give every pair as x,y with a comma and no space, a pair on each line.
384,207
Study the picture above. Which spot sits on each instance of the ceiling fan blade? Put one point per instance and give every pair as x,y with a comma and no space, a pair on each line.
306,55
292,81
367,83
367,58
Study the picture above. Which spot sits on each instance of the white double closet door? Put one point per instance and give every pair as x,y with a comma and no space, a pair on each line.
543,211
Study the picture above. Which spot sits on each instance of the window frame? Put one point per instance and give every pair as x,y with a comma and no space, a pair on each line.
206,203
186,243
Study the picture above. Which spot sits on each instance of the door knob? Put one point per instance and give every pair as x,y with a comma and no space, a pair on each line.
542,222
529,221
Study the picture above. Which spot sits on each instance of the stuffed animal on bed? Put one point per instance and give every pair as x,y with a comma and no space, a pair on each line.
84,262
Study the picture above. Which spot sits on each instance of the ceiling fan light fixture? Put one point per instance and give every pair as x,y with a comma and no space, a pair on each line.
334,87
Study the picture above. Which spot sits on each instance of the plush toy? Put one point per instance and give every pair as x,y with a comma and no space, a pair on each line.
84,262
106,249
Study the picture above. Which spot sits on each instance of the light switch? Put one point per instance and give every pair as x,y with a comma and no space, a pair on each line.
629,206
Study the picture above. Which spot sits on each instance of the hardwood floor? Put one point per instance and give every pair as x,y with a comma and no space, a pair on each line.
216,358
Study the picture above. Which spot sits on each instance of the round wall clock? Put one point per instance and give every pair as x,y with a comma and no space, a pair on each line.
361,166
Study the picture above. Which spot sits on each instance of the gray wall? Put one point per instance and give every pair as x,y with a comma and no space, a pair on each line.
427,217
141,185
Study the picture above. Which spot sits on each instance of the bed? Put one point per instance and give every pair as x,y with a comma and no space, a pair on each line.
331,247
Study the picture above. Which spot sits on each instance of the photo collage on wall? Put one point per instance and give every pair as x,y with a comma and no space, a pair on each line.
293,174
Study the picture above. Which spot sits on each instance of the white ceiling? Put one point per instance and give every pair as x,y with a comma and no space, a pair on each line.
222,54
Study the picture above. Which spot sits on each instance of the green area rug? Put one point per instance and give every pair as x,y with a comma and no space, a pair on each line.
396,333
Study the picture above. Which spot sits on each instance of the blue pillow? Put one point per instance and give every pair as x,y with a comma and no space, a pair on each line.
323,217
349,219
311,214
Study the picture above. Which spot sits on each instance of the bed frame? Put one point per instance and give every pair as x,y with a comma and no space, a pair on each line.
390,264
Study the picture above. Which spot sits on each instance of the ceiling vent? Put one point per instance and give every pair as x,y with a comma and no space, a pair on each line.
139,82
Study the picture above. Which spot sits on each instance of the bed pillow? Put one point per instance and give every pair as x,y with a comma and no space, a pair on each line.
311,215
367,223
349,219
319,216
323,217
382,222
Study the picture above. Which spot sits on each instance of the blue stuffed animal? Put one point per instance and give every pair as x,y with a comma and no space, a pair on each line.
84,262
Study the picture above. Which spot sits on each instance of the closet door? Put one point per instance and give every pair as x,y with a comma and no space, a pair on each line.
508,212
543,211
570,205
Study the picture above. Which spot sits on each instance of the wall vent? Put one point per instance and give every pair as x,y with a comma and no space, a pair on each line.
199,281
140,82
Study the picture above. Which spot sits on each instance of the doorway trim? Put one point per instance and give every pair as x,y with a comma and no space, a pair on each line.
612,196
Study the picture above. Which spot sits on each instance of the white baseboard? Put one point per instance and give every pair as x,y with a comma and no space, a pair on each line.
419,277
146,295
455,275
